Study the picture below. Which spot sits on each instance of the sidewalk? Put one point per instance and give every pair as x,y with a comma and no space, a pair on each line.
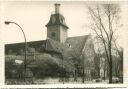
53,81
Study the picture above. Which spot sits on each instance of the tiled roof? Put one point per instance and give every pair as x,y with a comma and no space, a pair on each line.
72,44
76,44
15,47
56,46
58,20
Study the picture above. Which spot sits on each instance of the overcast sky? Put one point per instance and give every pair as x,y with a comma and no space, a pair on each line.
33,16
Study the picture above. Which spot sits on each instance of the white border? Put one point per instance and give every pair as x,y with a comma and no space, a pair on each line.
69,85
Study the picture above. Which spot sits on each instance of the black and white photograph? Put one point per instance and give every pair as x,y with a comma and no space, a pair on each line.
63,42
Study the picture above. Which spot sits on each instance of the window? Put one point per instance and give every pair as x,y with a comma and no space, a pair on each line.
69,45
61,20
53,34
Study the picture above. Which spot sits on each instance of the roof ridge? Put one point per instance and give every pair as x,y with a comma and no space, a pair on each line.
24,42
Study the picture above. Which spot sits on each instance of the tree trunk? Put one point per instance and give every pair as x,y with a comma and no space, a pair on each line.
110,65
110,73
75,75
104,74
83,76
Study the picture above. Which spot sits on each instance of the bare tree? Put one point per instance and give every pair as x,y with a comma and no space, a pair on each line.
118,63
104,23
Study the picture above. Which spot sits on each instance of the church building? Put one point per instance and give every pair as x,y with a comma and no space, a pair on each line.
58,43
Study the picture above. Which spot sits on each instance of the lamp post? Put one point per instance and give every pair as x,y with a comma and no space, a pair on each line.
7,23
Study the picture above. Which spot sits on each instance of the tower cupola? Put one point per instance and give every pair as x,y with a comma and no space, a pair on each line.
56,27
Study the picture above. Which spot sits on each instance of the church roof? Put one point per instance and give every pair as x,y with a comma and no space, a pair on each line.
77,42
53,45
72,44
57,19
15,47
76,45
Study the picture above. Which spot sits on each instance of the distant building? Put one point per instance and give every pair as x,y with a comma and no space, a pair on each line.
58,43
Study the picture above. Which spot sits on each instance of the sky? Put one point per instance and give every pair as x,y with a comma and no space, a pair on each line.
33,16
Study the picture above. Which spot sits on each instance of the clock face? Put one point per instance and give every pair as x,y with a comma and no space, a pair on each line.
53,19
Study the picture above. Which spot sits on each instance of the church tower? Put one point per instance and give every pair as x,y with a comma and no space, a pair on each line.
56,27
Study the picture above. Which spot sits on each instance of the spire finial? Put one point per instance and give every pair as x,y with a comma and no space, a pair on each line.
57,7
